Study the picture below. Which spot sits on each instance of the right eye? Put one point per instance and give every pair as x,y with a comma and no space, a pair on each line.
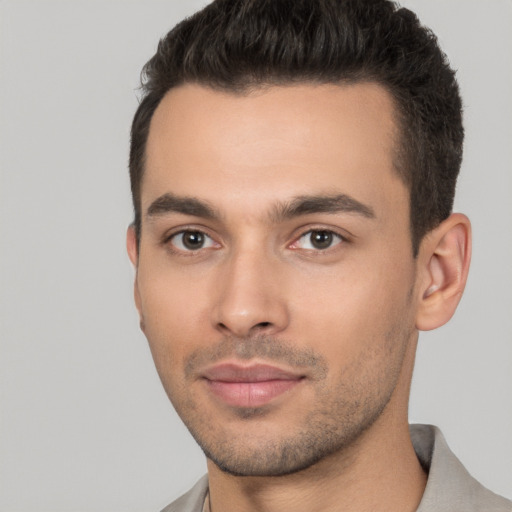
191,240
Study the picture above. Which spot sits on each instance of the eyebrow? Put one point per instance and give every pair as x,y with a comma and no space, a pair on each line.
305,205
170,203
298,206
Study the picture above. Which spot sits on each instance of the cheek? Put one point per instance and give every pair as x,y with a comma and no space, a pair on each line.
353,309
174,310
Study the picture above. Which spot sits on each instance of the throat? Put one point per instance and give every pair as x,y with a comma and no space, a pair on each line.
360,481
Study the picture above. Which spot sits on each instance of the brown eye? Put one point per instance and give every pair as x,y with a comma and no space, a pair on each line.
321,239
318,239
191,241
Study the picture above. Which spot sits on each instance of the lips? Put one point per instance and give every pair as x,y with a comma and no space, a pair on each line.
249,386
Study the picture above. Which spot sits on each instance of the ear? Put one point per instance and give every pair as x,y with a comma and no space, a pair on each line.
443,269
133,254
131,245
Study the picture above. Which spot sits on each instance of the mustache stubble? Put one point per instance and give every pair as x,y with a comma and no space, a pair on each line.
264,347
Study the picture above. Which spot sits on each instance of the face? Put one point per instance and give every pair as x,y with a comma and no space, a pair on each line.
275,273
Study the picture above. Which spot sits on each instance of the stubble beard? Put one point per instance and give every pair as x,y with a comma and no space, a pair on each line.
339,418
319,439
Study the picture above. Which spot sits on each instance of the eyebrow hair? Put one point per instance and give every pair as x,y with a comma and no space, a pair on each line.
170,203
304,205
300,205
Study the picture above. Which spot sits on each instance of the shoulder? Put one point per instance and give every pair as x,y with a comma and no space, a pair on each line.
450,487
192,501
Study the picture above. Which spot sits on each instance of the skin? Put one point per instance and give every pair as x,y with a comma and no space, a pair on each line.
341,317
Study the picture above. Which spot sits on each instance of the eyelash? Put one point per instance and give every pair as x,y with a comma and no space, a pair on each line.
318,251
167,241
183,252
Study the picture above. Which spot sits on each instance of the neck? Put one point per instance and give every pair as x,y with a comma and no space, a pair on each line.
378,472
386,477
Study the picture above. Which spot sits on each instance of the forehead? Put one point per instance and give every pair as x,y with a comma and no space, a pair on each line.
272,143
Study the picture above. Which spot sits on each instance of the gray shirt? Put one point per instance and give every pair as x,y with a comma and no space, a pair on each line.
450,488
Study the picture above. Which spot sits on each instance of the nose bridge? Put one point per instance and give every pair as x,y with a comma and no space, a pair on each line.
250,297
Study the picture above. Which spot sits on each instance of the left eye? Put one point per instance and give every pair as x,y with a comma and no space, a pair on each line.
318,240
191,240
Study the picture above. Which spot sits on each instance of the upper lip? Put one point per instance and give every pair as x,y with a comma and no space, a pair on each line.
235,372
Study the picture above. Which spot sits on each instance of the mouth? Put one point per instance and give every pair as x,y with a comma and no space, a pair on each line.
249,386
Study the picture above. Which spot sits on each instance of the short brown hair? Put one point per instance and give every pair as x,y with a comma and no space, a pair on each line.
237,45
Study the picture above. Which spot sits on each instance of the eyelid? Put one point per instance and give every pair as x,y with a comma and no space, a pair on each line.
169,233
179,230
299,233
345,238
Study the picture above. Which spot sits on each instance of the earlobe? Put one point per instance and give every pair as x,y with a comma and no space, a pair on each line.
444,264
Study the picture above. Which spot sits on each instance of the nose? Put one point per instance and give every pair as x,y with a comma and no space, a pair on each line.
250,296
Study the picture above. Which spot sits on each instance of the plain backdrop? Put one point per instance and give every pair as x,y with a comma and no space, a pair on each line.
85,424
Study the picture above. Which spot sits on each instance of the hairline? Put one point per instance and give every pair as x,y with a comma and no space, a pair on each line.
401,156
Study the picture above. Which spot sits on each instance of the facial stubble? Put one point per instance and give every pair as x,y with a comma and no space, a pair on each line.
339,417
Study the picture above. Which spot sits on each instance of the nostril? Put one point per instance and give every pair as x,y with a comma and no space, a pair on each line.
262,325
259,327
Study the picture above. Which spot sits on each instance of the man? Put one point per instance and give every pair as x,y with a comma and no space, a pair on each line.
293,166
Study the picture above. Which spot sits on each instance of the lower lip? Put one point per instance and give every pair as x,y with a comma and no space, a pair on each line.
250,394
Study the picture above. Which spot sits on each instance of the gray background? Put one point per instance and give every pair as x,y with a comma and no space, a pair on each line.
85,425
